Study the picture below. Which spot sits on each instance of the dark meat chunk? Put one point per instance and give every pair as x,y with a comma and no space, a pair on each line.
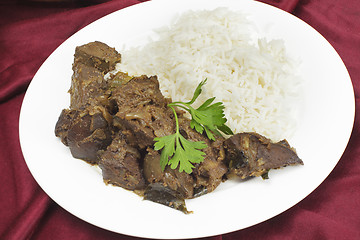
97,55
250,154
85,133
206,176
139,91
120,165
209,173
164,195
180,182
118,80
142,110
145,123
63,125
88,87
87,127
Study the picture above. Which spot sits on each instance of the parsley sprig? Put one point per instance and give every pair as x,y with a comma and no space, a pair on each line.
178,150
208,117
185,152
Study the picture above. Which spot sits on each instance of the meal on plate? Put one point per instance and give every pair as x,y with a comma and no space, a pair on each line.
145,138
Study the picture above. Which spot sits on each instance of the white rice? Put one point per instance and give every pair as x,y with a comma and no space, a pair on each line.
254,78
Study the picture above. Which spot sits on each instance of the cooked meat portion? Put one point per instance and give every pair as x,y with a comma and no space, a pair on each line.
97,55
139,91
118,79
88,86
206,176
164,195
142,110
180,182
209,173
84,133
63,125
120,164
250,154
87,126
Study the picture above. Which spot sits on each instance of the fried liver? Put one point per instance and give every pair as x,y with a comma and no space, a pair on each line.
250,154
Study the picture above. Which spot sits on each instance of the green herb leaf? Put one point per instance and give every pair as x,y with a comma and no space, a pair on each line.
168,143
178,151
197,92
209,116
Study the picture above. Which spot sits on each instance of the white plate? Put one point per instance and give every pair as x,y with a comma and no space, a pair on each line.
321,138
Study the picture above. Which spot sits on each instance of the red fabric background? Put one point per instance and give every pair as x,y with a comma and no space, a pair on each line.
29,32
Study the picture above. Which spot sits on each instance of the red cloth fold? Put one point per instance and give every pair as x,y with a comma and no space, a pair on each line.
30,32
